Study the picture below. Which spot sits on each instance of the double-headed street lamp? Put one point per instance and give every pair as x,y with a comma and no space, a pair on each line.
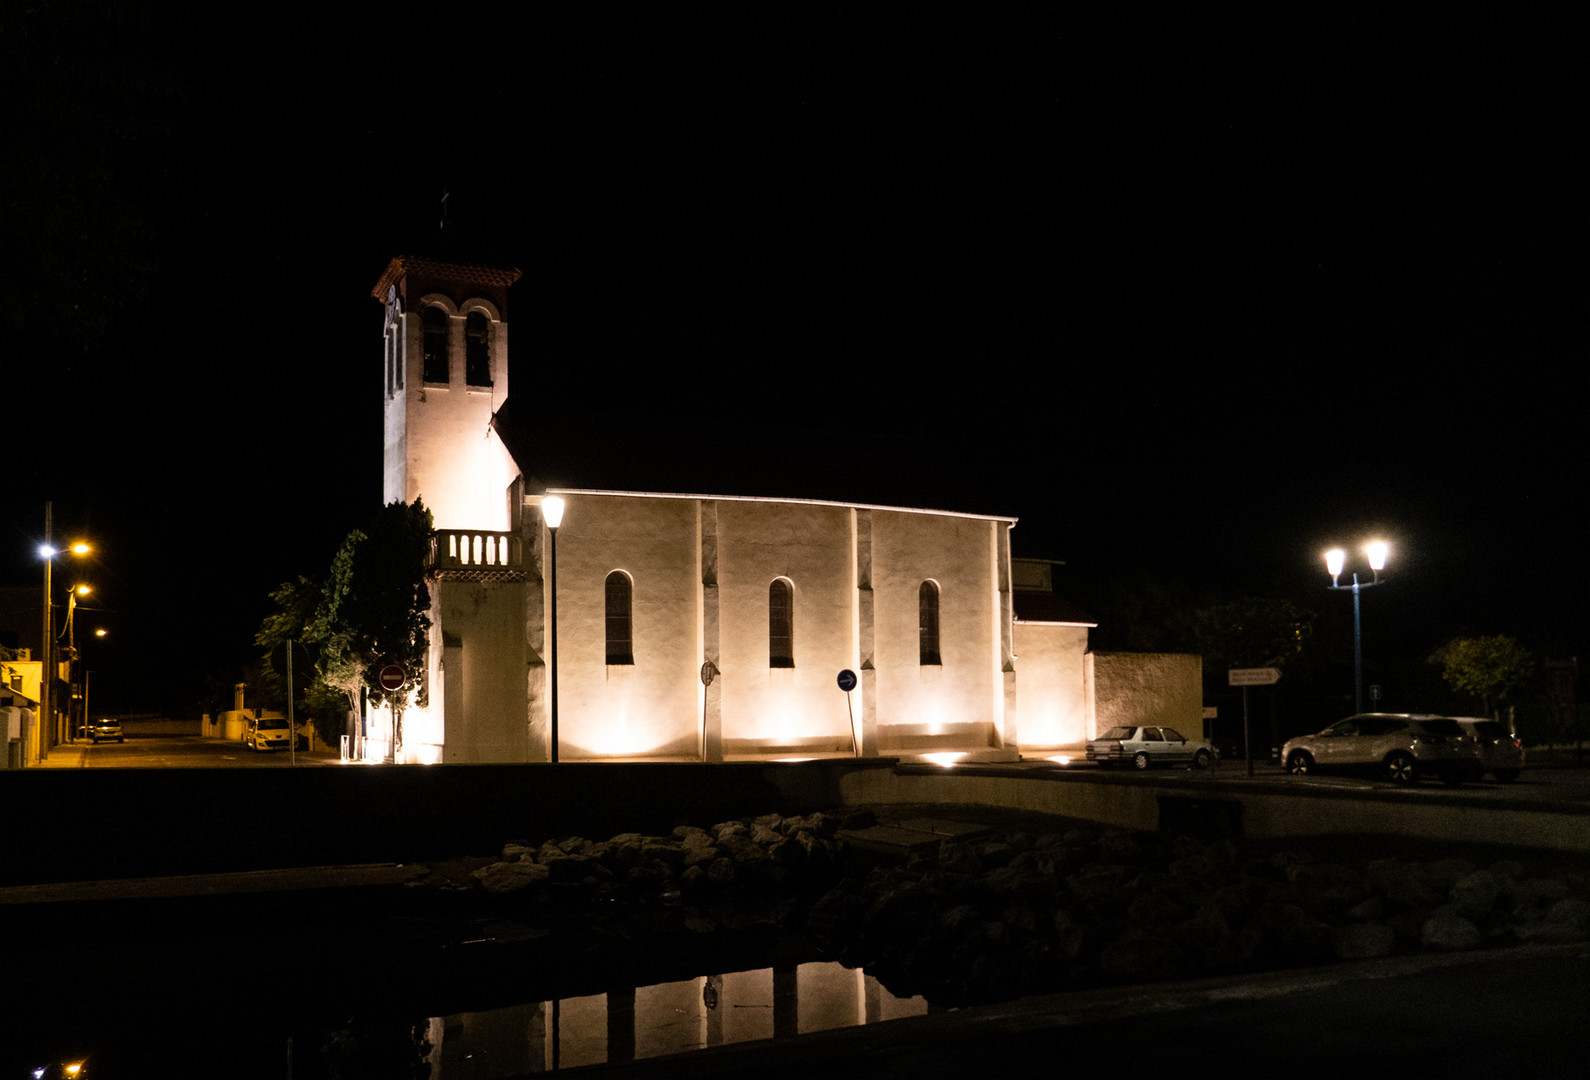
1335,561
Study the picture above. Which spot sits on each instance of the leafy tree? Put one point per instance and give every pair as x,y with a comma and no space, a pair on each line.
373,610
326,708
1490,668
370,611
1253,632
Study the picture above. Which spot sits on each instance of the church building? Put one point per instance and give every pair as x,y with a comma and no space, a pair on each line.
701,598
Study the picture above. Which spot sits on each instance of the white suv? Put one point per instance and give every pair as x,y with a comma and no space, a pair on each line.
1403,746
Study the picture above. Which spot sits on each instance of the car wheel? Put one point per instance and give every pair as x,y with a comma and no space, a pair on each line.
1301,763
1141,760
1400,768
1202,759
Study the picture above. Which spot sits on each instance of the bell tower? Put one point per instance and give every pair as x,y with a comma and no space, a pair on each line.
445,374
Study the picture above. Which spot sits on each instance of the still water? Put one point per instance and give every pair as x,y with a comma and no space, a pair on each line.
664,1018
138,1020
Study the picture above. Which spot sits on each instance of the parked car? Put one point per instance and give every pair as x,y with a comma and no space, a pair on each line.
1403,747
1146,746
105,728
1501,754
269,733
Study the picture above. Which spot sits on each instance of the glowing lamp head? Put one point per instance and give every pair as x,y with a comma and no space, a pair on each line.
552,511
83,590
1335,559
1377,550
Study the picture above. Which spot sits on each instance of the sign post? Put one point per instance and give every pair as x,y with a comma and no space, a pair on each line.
1246,677
847,683
392,677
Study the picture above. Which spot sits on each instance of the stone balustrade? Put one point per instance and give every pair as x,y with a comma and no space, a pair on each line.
475,549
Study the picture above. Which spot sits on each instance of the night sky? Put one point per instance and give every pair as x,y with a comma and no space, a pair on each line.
1196,290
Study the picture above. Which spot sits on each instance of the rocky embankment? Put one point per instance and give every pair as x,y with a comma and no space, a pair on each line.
1022,911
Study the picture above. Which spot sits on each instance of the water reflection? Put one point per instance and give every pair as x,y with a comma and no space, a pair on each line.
665,1018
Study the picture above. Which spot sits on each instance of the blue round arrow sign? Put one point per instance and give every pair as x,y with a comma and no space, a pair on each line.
847,680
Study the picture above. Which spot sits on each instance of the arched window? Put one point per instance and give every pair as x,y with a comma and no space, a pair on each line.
434,323
927,606
477,358
781,624
620,621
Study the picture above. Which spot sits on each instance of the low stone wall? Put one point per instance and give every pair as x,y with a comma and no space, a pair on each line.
1204,807
86,824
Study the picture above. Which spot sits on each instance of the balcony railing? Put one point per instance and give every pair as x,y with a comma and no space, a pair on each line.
473,549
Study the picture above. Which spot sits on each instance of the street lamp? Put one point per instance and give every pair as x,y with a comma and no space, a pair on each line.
70,634
87,674
47,552
1335,561
552,514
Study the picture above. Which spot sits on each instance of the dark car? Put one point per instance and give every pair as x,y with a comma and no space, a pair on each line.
1501,752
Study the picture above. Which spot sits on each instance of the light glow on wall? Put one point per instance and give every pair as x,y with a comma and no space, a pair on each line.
945,759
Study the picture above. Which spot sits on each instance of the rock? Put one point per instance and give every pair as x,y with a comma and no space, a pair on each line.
1474,895
1143,959
1565,921
1363,941
1449,931
511,877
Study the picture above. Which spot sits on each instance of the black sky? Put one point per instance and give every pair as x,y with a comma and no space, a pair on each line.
1199,288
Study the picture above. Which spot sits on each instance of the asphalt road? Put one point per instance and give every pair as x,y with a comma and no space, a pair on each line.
1551,780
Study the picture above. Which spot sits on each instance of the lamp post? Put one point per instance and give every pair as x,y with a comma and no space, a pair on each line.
552,514
47,552
70,634
1335,560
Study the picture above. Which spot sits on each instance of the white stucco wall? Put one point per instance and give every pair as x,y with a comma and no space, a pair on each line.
477,705
1052,701
810,546
652,707
918,704
437,439
1145,688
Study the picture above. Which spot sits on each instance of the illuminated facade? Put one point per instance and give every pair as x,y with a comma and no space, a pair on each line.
695,626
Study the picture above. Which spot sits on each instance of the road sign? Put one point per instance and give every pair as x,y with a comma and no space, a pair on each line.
1254,676
847,680
393,677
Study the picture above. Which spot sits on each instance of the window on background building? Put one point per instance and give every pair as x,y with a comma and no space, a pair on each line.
781,624
477,358
434,324
620,620
927,604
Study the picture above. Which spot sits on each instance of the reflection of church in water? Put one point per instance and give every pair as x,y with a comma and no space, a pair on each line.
694,625
636,1023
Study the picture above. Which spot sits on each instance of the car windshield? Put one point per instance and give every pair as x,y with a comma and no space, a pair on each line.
270,724
1172,735
1118,733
